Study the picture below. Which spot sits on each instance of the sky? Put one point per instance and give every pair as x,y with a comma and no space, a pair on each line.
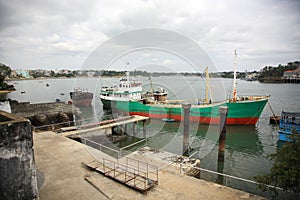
61,34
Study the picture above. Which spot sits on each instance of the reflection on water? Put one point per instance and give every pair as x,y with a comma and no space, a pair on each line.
238,138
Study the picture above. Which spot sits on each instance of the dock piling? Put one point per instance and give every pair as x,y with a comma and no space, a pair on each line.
134,128
223,110
186,126
144,128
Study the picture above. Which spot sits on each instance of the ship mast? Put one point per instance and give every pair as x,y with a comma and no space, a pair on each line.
206,85
234,77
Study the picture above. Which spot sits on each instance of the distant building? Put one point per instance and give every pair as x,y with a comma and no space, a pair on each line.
251,76
291,75
21,72
90,73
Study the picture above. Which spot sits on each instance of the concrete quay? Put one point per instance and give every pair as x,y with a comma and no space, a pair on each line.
62,176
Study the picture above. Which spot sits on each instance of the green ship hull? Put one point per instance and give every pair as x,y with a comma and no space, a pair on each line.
245,112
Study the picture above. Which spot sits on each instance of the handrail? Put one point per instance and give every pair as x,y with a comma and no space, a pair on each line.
133,144
60,123
230,176
101,145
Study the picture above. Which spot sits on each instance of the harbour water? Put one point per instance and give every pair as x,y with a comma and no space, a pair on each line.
246,146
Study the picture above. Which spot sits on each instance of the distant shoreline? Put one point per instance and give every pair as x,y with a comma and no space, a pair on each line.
47,78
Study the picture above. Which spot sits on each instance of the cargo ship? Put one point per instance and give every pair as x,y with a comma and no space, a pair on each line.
128,97
81,97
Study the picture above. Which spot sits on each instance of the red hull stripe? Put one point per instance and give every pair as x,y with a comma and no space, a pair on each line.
202,120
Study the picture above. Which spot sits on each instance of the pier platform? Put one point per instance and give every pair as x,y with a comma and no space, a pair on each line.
67,131
61,175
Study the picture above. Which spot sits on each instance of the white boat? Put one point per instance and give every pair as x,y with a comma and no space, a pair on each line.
129,88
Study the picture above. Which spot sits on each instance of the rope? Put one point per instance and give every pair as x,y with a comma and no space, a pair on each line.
273,114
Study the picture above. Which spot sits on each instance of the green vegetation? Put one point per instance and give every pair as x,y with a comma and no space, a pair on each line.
268,71
4,72
285,172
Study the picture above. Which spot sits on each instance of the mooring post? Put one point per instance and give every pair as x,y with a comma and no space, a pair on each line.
223,110
125,129
186,127
134,128
113,132
144,128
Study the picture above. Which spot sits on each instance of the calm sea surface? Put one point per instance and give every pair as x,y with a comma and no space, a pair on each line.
246,146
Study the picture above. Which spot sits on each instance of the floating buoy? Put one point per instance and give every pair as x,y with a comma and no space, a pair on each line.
47,84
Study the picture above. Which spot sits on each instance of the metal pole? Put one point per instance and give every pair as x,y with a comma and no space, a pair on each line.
186,126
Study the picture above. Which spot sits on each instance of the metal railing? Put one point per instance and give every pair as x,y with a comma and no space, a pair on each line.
101,147
140,175
105,149
61,124
77,123
131,145
237,182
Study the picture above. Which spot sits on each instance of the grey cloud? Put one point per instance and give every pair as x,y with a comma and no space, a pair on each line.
263,32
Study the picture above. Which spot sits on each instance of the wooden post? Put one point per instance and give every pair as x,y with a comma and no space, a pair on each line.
223,110
186,127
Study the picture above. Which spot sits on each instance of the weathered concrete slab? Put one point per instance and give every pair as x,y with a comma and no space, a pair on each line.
60,158
17,167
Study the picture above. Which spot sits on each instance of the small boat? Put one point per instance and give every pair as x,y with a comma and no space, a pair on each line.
289,123
81,97
129,89
62,93
23,92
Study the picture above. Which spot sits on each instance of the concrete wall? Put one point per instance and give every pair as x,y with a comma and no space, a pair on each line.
45,113
17,167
